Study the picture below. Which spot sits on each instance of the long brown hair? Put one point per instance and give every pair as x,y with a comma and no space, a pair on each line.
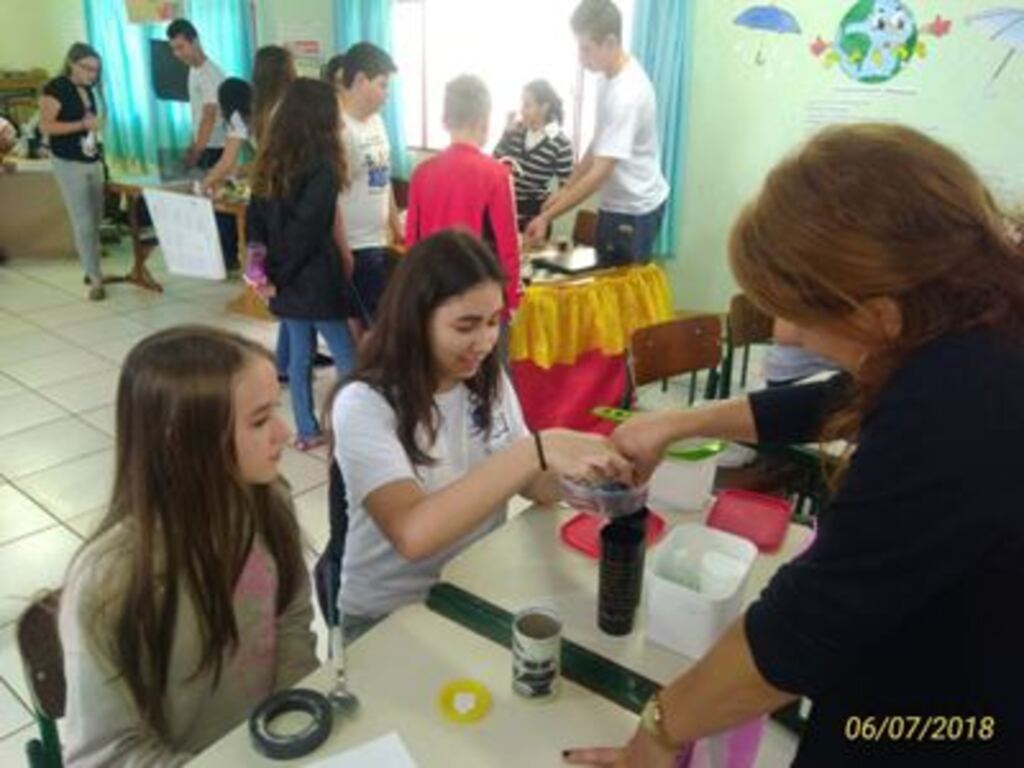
180,509
273,70
873,210
397,359
304,132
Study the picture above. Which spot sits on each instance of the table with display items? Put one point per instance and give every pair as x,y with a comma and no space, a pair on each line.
131,189
525,563
398,670
568,338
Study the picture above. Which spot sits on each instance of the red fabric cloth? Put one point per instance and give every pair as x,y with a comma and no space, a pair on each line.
563,395
463,187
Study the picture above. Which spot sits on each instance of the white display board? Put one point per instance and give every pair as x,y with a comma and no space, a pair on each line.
187,231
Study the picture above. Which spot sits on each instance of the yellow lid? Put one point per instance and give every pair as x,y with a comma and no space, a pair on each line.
464,701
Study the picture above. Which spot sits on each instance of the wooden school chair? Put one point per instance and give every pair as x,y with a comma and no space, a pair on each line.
746,325
674,348
42,659
584,228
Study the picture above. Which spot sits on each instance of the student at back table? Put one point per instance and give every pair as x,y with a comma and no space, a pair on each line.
623,162
463,187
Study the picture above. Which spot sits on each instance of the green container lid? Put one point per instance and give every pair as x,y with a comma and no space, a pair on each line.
687,450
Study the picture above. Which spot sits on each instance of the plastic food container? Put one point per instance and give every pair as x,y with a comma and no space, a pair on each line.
695,584
609,499
683,482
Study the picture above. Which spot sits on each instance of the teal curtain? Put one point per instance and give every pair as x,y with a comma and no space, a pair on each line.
139,127
662,41
370,21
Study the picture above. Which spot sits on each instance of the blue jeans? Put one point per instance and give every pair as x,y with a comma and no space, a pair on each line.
624,238
283,351
369,279
301,342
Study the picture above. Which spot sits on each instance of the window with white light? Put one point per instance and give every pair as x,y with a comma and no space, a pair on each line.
505,44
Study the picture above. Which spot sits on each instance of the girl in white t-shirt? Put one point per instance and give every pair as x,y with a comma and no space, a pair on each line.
235,99
429,435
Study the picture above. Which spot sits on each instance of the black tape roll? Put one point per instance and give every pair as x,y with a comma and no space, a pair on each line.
290,746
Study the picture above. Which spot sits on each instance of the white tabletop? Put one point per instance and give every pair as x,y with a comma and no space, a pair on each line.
524,563
398,668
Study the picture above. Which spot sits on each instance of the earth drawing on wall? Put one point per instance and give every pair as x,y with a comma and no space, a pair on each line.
878,39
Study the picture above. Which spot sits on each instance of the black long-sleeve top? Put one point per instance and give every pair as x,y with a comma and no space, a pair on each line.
911,600
303,260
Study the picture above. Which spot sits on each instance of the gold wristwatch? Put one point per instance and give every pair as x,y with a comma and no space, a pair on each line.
652,720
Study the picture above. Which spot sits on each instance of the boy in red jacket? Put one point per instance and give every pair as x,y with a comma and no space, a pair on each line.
464,188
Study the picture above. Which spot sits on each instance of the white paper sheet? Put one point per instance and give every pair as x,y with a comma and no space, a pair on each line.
187,231
386,752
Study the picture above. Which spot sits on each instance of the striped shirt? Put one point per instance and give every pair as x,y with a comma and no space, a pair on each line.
534,168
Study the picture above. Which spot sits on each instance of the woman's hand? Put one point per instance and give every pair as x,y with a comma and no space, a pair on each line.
641,752
643,440
584,457
89,122
267,291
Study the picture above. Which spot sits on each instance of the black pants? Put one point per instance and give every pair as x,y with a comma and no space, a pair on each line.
227,228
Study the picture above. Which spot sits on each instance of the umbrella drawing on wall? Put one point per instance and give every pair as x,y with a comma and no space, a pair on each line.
765,19
1004,25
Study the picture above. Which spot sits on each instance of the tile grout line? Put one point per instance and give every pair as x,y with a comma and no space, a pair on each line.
68,460
4,685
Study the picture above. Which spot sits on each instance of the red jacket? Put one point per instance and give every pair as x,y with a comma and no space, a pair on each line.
463,187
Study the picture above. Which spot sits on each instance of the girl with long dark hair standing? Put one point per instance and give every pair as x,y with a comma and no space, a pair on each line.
300,169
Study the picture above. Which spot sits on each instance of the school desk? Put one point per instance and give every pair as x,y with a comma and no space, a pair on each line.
525,563
398,669
131,189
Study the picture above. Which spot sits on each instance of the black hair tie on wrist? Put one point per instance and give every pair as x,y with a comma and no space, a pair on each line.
540,452
290,746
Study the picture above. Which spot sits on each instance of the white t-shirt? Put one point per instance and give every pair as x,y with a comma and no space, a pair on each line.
236,128
365,204
627,131
375,578
203,83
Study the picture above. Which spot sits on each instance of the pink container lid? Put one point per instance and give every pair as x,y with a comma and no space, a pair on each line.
754,516
583,532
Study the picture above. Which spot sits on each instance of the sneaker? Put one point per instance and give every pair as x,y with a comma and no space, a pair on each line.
305,444
97,292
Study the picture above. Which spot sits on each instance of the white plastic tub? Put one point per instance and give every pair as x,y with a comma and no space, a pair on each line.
695,584
684,480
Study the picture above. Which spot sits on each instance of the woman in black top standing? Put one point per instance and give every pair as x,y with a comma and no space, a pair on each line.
537,150
300,170
70,115
882,250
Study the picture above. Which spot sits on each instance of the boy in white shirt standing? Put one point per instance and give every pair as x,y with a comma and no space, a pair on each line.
624,158
208,137
368,205
204,78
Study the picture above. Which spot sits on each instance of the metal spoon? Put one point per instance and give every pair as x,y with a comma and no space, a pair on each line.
340,696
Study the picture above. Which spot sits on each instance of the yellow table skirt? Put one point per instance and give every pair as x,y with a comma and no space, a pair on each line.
558,323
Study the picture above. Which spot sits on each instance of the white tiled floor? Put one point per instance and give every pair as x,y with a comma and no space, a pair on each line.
59,356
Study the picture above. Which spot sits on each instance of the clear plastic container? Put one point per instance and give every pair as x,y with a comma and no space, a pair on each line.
609,499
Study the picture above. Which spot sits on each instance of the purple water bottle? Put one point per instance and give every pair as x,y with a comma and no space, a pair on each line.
256,265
